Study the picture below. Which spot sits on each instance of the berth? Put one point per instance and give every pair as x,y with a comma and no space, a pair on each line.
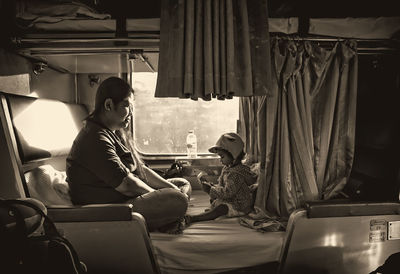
354,236
76,18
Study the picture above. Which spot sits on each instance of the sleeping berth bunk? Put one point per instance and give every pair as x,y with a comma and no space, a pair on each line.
112,239
222,245
70,24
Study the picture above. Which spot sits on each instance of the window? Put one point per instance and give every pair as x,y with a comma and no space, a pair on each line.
162,124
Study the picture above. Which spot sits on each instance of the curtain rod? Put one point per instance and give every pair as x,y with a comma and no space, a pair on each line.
134,39
107,39
363,45
329,39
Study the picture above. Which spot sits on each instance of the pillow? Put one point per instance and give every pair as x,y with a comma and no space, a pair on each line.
48,185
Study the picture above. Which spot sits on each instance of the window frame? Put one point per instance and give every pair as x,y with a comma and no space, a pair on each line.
153,157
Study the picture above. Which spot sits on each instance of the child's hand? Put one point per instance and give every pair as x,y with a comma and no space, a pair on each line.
201,177
206,186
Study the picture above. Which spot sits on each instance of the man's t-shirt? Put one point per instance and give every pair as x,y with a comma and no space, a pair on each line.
97,164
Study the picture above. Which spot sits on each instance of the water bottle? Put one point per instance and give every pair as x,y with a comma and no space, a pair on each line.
191,144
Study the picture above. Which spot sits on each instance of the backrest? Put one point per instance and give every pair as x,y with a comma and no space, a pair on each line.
36,132
335,238
113,247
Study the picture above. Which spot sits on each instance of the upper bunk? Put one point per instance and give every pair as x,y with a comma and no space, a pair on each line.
69,36
86,26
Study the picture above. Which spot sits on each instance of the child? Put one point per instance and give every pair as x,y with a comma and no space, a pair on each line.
232,195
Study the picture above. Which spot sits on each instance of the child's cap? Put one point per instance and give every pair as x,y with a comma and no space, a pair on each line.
230,142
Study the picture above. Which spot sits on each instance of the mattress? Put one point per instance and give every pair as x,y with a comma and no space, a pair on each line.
214,246
357,28
96,25
361,28
283,25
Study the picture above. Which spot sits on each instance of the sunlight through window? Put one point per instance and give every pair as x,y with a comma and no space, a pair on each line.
54,115
162,124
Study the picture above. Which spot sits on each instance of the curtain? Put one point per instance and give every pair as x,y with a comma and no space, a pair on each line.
306,126
213,48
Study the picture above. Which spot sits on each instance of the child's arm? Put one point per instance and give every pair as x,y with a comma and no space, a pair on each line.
201,178
205,185
231,186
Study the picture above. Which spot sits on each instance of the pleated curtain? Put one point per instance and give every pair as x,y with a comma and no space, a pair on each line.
213,49
303,133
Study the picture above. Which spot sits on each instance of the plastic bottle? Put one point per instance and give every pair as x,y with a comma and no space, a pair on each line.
191,144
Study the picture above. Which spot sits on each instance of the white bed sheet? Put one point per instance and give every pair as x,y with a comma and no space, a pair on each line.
214,246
